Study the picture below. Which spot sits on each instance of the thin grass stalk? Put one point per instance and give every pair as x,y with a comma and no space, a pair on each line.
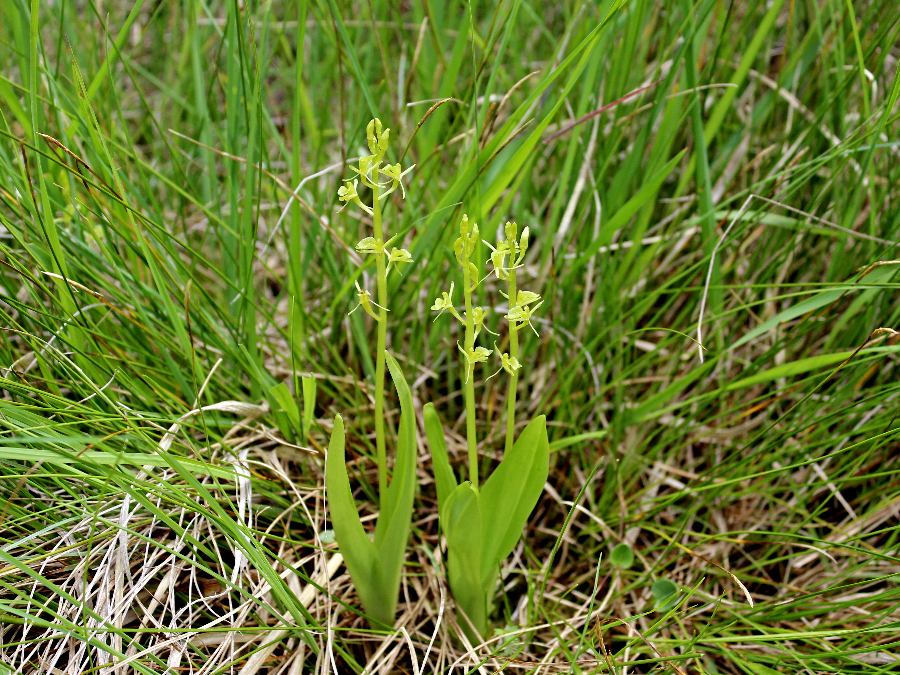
704,183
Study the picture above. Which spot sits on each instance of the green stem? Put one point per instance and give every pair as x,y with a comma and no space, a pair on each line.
514,377
380,453
469,386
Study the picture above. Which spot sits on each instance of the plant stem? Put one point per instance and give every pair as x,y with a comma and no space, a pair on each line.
469,386
514,377
380,452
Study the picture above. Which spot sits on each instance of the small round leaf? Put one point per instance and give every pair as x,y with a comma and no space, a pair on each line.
622,556
665,593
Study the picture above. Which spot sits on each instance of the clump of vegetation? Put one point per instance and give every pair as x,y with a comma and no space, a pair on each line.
376,563
484,522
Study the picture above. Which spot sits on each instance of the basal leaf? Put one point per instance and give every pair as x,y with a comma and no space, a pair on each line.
395,517
510,493
462,523
444,478
358,551
665,593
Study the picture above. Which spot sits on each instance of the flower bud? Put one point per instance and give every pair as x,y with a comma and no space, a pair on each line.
373,132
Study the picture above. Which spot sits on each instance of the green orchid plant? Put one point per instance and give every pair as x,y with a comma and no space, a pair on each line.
482,523
375,563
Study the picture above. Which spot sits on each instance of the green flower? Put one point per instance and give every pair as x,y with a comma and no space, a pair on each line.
395,174
498,259
523,298
398,256
366,302
347,194
508,247
520,315
370,245
445,304
509,363
478,315
366,168
526,298
476,355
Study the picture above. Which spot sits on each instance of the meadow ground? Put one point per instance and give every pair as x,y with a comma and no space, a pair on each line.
712,193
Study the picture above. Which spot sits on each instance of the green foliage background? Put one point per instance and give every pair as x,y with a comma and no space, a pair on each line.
161,290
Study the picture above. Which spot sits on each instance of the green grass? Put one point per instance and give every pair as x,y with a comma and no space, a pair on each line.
153,263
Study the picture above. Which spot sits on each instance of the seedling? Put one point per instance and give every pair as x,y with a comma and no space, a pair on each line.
483,523
375,564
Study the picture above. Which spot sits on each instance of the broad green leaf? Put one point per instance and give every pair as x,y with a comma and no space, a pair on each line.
462,522
665,593
511,492
358,551
376,567
395,517
444,478
622,556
